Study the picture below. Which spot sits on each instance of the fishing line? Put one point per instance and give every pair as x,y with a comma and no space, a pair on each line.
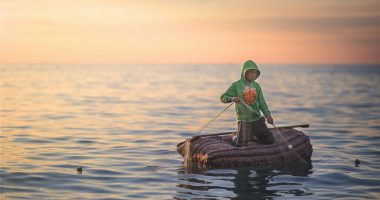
291,155
213,119
187,148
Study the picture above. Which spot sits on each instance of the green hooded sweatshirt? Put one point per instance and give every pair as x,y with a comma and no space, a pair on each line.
245,112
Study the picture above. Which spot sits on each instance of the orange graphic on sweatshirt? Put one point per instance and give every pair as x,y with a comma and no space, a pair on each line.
249,95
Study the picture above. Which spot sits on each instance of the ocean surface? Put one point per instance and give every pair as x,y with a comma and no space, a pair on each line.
121,124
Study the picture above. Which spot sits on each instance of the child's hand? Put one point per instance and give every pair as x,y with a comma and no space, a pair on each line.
235,99
270,119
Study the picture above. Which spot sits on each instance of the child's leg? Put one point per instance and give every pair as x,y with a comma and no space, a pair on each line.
243,135
263,133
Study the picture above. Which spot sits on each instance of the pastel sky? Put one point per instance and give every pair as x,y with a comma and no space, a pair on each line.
184,31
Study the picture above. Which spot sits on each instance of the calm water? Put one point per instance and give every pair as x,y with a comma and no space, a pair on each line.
122,124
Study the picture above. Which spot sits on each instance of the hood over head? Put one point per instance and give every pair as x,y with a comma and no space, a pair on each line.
248,65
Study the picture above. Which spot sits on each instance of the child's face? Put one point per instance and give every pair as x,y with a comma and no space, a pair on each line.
250,75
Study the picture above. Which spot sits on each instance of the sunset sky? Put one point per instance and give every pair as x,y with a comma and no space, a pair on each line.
180,31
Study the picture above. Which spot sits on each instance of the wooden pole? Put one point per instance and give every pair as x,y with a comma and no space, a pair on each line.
227,133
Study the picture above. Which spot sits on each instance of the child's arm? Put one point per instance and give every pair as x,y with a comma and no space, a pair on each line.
228,96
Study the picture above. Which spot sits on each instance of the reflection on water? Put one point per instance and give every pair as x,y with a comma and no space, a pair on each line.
241,183
121,124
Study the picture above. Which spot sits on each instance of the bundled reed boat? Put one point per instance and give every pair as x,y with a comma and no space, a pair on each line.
217,150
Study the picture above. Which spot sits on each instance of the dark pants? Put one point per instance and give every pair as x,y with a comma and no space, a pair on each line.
247,131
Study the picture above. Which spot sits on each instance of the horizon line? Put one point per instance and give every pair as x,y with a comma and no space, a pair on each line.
182,63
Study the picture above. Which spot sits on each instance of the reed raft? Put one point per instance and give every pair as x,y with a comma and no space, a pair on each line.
217,150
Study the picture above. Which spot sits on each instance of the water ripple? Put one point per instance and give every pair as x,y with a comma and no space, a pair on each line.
123,132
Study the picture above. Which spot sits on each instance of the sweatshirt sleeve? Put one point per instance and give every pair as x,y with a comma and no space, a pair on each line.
262,104
227,96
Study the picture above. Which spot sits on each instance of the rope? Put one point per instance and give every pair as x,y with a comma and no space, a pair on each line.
214,118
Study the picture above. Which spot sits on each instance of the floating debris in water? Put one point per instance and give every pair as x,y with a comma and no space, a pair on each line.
357,163
152,168
79,170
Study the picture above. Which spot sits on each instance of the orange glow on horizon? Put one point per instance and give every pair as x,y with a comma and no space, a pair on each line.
189,32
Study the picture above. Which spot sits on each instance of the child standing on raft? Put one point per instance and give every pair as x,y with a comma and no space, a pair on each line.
249,99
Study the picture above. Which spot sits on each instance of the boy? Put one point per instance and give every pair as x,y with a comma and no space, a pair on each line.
249,99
